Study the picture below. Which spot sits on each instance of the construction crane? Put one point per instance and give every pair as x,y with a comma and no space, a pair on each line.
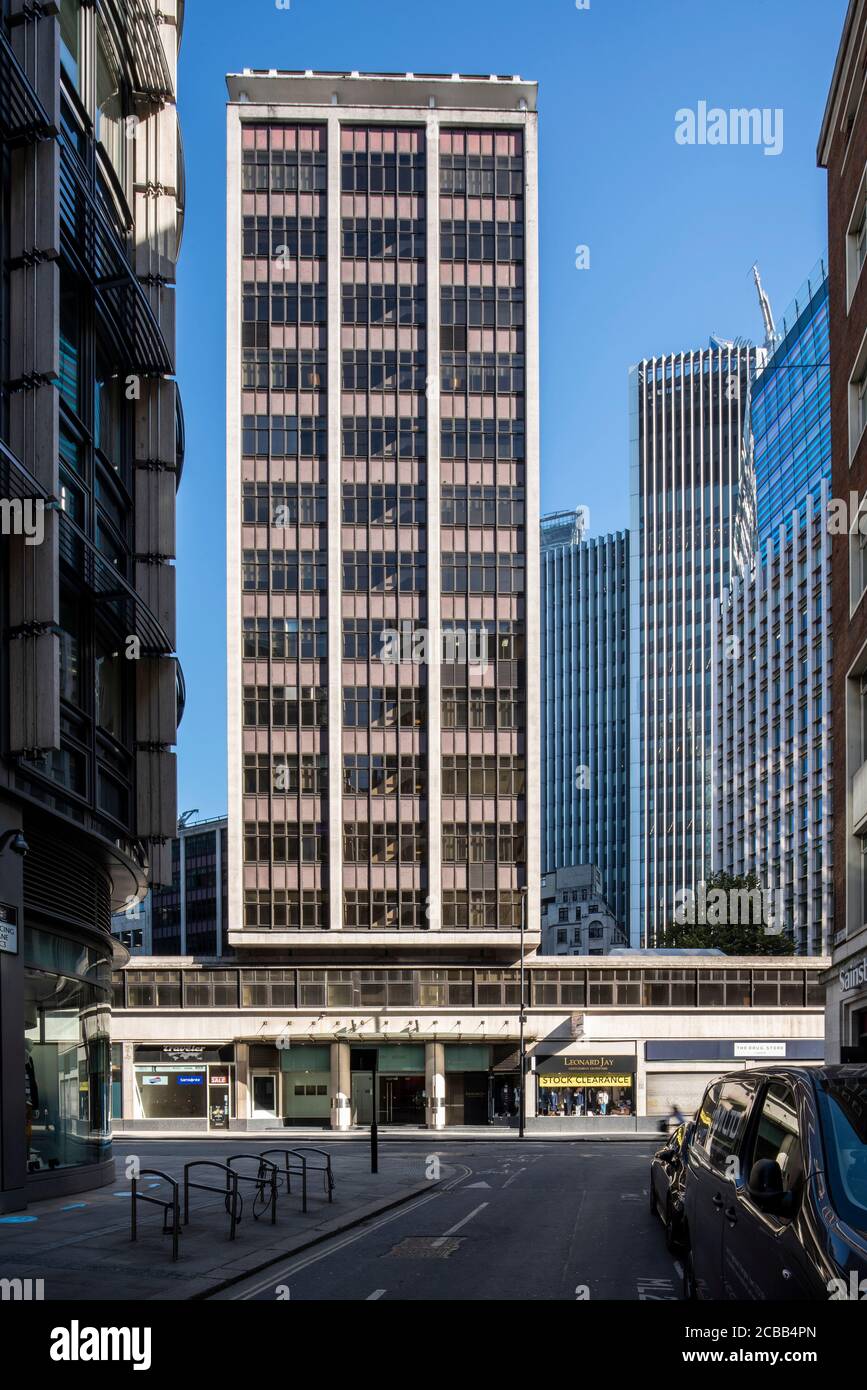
765,306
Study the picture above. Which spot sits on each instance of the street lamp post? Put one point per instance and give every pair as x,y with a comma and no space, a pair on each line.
522,1095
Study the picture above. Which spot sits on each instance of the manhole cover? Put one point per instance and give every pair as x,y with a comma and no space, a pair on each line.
425,1248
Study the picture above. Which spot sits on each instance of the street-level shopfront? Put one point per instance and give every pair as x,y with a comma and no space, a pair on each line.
600,1083
292,1084
182,1086
636,1084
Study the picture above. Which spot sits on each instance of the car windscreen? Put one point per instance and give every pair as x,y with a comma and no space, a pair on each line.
843,1110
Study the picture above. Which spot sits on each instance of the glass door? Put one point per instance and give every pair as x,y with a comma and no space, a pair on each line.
218,1098
362,1097
263,1094
401,1100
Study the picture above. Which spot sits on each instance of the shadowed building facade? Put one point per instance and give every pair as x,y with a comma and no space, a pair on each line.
91,446
843,153
585,703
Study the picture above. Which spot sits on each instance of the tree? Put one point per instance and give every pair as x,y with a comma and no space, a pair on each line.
714,927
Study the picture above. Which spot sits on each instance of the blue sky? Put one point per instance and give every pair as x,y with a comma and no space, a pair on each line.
672,230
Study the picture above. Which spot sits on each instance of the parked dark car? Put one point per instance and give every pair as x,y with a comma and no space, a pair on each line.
775,1191
667,1175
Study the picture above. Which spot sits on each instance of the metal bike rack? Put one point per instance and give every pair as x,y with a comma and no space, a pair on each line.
234,1200
288,1169
261,1179
323,1168
171,1206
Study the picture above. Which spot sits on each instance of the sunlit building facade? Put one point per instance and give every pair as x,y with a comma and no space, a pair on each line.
383,574
773,765
687,461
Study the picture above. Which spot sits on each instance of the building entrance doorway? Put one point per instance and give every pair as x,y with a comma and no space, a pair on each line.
218,1102
504,1097
362,1097
401,1100
264,1095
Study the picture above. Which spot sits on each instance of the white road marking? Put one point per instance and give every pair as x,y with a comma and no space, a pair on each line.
372,1297
477,1184
452,1229
514,1175
655,1290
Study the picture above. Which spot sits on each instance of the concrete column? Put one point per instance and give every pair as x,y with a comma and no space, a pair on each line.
182,852
341,1083
127,1083
242,1086
13,1117
532,1094
435,1085
640,1099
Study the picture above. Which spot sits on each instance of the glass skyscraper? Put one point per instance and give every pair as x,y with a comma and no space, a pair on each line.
687,455
772,812
790,413
585,702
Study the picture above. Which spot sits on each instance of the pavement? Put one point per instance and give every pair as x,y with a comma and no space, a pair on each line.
457,1221
491,1134
81,1248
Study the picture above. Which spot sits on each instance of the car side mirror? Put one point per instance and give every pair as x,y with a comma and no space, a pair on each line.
766,1185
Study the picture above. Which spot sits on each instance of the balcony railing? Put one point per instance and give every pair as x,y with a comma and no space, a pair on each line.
109,587
134,34
23,118
95,247
16,480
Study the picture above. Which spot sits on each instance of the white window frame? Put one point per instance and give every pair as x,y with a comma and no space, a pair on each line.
857,557
856,240
858,399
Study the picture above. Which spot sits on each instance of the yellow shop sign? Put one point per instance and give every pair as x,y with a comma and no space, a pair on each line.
586,1079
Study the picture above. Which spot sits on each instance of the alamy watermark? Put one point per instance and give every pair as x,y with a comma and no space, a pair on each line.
723,907
737,126
417,645
23,517
22,1290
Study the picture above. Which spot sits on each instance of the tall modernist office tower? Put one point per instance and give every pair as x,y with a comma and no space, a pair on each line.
382,477
585,702
686,428
91,449
772,651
